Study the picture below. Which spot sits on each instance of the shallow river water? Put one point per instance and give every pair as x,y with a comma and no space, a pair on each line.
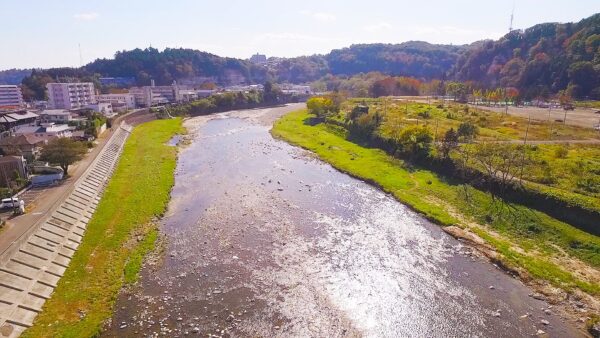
263,240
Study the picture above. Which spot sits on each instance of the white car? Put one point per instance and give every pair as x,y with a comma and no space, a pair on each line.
9,203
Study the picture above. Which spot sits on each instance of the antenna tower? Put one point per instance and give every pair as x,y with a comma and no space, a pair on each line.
512,16
80,57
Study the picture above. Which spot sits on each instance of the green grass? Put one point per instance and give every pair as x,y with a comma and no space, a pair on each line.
120,232
492,125
537,234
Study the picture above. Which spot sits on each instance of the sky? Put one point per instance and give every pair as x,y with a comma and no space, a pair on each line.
48,33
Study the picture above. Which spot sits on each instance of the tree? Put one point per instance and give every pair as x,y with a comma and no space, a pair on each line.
502,163
449,142
467,131
457,90
583,77
322,106
415,141
63,152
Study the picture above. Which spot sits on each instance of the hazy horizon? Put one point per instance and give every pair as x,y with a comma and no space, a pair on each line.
239,29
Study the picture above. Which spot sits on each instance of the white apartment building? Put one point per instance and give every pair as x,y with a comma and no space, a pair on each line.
10,96
70,95
118,101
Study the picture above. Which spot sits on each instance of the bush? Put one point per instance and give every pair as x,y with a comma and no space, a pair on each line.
322,106
415,141
561,152
467,131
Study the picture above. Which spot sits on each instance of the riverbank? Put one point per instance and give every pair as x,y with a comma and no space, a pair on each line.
542,258
120,232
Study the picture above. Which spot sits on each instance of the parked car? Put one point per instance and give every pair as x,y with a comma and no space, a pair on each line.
9,203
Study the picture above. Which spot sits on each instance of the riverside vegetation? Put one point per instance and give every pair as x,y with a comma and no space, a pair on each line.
550,254
120,233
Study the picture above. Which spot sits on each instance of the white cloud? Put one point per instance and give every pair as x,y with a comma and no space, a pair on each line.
86,16
378,27
319,16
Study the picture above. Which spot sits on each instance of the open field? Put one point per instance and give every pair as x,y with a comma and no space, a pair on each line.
580,117
584,115
492,125
563,158
119,233
527,240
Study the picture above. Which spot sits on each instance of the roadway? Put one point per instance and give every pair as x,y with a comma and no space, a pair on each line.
41,201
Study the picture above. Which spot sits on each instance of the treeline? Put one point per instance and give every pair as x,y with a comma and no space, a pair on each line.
271,95
13,76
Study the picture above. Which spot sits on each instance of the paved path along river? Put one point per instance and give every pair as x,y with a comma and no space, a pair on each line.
264,240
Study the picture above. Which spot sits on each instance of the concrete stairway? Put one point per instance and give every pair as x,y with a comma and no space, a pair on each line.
31,268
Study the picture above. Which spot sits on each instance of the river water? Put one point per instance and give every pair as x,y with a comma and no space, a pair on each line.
263,240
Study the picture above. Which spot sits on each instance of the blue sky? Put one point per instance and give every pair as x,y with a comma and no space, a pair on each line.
46,33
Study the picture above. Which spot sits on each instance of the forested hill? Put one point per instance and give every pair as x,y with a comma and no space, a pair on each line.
176,64
542,59
413,58
13,76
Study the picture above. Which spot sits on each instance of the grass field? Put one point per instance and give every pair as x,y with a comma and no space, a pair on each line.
525,239
492,125
120,232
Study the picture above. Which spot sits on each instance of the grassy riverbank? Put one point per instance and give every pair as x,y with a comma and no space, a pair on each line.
119,234
527,240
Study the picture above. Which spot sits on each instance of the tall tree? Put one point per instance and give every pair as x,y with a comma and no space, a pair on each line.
63,152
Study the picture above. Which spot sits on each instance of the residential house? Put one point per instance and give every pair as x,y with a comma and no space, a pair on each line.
105,108
28,146
46,130
55,116
18,118
11,169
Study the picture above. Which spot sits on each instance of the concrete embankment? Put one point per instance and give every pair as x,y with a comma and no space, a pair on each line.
34,263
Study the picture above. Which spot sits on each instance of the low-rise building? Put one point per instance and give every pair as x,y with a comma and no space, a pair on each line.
105,108
28,146
18,118
70,95
119,102
11,169
46,130
149,96
56,116
11,97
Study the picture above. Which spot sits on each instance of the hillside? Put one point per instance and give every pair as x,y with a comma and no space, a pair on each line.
413,58
540,60
13,76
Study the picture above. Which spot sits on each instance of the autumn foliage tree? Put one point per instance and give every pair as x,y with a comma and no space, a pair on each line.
322,106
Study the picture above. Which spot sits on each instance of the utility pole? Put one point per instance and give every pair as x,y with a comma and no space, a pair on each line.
524,146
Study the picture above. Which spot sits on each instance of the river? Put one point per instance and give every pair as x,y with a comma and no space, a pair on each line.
264,240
